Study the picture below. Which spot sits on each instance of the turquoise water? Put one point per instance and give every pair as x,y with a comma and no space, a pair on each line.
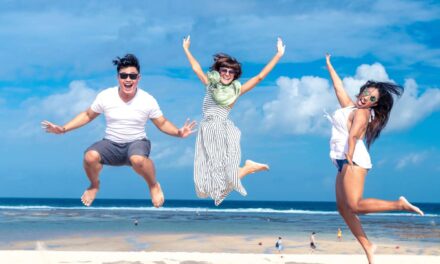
34,219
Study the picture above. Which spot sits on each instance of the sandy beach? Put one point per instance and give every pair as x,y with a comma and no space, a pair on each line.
213,243
92,257
203,249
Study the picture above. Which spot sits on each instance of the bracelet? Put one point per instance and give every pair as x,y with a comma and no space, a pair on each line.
64,130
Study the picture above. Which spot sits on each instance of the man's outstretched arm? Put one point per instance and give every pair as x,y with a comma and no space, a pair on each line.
169,128
80,120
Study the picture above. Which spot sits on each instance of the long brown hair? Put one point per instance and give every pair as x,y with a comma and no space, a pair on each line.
382,109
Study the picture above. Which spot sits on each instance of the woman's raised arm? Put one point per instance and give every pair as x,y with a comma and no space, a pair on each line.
341,94
194,63
249,85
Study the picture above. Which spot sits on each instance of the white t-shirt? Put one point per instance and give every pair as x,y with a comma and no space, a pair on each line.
125,121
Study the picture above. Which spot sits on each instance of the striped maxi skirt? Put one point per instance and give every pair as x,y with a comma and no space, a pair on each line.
217,159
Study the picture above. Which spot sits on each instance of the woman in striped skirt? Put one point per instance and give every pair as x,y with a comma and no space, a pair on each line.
217,168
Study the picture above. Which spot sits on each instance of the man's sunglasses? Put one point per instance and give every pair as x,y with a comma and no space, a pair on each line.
133,76
372,97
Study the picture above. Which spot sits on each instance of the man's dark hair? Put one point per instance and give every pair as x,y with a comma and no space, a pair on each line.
128,60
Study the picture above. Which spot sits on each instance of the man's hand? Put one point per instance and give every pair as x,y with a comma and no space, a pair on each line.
52,128
187,129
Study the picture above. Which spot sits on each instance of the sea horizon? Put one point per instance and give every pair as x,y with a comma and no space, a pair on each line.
430,208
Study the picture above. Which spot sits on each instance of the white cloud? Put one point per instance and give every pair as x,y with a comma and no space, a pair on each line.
372,72
411,159
57,108
66,105
299,106
365,72
413,107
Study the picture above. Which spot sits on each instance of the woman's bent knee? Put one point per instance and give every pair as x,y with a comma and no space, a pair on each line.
353,207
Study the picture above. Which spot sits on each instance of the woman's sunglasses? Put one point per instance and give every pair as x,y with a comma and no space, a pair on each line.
132,76
227,71
372,97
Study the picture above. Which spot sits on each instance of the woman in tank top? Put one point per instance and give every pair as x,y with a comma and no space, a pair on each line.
357,120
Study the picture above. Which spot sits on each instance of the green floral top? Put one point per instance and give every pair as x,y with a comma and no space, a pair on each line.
223,95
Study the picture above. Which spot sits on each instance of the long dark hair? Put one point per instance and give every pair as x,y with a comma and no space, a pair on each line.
382,109
224,60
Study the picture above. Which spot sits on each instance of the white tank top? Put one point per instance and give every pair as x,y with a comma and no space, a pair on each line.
339,139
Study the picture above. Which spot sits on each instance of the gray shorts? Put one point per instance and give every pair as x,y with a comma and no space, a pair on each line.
118,154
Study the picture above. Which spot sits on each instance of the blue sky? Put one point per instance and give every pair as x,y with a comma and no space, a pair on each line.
56,56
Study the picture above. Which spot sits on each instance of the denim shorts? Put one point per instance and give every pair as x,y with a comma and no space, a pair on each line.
339,163
118,154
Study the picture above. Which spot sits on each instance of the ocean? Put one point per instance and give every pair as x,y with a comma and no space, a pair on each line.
23,219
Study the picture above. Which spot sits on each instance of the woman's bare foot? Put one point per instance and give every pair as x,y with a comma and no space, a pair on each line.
253,166
407,206
370,253
89,195
156,194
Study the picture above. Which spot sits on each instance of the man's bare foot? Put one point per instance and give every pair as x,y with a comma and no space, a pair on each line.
157,197
407,206
89,195
370,253
253,166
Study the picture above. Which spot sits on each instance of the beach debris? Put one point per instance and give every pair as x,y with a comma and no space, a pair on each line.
39,245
